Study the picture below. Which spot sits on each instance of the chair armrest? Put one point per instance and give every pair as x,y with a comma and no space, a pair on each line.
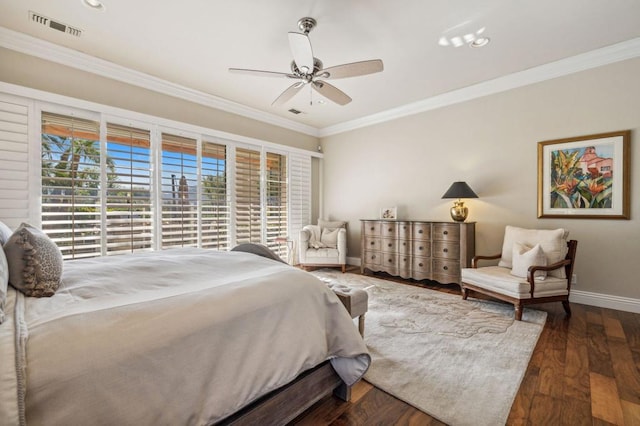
475,259
532,271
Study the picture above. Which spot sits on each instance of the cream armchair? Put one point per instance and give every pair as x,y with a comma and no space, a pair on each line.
535,266
324,244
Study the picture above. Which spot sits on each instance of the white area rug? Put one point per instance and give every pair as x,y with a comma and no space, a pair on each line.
459,361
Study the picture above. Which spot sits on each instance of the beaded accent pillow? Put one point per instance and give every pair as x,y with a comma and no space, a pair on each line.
35,262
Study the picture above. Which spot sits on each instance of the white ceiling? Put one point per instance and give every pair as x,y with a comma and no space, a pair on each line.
193,43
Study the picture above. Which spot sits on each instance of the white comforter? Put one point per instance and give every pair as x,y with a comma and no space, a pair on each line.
183,336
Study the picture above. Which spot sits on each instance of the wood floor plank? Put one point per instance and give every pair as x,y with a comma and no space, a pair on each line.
605,402
626,374
612,326
631,413
599,356
545,410
575,412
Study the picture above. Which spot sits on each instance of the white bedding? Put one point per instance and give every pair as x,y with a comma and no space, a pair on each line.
183,336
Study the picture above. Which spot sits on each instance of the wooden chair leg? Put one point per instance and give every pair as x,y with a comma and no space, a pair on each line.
567,307
518,307
465,293
361,325
344,268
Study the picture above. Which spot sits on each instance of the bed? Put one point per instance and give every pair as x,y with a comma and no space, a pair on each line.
181,336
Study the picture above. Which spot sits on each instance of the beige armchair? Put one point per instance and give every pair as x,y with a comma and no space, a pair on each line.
535,266
324,244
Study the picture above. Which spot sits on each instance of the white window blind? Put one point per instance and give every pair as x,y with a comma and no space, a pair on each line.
14,163
71,206
299,197
179,191
129,221
276,202
248,197
215,197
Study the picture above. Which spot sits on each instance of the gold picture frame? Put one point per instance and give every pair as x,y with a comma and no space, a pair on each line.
585,177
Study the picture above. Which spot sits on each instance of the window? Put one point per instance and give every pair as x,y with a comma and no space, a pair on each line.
276,204
71,177
179,191
215,197
248,197
137,189
129,220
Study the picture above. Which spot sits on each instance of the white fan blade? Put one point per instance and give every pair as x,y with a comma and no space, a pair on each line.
288,94
301,51
352,70
261,73
331,92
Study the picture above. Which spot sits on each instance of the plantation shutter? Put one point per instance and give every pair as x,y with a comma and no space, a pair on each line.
129,222
215,197
276,202
179,191
247,192
71,205
299,195
14,163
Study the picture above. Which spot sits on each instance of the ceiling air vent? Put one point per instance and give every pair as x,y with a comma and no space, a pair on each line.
294,111
56,25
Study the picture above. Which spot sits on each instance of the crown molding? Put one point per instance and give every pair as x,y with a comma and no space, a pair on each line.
55,53
45,50
607,55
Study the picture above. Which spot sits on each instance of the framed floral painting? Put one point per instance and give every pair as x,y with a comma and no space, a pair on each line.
585,177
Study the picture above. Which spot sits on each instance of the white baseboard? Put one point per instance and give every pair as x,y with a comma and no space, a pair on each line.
600,300
609,301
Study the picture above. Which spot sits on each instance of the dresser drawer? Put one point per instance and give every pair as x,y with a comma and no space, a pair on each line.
446,232
422,265
446,269
371,258
421,248
404,246
372,243
404,266
371,228
389,245
404,230
389,229
446,250
421,231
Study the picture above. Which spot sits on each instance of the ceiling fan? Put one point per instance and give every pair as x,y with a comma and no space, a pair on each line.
308,70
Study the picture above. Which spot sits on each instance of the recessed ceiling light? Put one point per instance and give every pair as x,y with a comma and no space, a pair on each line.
480,42
94,4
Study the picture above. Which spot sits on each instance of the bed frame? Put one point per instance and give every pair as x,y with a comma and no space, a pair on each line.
288,402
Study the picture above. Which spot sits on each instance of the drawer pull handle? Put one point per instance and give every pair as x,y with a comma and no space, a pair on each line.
389,244
390,229
446,268
390,260
420,248
373,257
446,250
372,228
446,232
373,243
420,231
404,243
420,264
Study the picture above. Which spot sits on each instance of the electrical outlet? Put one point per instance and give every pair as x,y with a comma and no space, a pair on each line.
574,279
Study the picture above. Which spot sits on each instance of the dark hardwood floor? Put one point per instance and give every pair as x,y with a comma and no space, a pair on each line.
585,370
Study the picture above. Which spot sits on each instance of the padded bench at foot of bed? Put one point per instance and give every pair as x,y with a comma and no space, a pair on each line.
354,299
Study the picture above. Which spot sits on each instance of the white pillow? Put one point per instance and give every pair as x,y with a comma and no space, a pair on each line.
330,237
314,236
525,256
552,241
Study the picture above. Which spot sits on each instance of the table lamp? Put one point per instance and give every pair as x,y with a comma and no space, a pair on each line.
459,190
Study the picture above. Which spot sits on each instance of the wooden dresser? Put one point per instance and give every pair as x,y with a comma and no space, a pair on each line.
417,249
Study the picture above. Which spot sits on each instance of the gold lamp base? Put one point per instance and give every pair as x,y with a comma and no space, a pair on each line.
459,212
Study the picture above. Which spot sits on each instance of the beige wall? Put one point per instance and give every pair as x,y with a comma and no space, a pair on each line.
491,143
29,71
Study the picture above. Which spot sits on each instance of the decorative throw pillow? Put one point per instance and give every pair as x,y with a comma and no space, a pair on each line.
4,279
525,256
331,224
35,262
330,237
552,241
5,233
315,236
